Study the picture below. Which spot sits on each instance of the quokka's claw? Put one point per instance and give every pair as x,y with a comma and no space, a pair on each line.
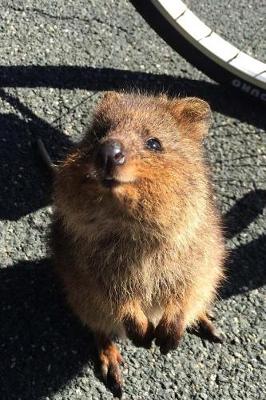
114,380
208,330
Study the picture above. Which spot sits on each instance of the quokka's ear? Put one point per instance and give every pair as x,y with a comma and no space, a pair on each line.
193,116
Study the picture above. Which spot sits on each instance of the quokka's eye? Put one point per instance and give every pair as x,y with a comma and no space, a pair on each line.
154,144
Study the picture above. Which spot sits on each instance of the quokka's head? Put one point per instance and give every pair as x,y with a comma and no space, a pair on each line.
141,158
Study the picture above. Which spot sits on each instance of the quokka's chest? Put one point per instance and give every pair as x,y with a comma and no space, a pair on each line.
149,277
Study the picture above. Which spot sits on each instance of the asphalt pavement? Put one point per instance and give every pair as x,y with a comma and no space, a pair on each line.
56,59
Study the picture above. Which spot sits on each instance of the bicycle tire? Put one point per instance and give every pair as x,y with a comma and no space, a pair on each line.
170,21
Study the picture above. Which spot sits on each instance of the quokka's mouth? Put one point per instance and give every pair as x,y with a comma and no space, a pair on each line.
110,182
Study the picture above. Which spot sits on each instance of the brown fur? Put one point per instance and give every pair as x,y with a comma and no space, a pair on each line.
151,246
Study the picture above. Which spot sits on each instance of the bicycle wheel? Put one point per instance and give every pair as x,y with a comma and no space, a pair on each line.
204,48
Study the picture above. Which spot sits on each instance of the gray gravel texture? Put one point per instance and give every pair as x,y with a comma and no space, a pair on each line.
56,58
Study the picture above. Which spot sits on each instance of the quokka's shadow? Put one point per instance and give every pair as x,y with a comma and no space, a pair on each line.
42,345
25,182
246,264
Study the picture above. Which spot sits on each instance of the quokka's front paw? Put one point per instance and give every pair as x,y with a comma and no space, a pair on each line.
140,332
168,333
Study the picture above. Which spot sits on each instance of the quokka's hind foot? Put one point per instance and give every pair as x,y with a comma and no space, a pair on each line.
210,315
141,334
138,328
207,330
110,360
170,330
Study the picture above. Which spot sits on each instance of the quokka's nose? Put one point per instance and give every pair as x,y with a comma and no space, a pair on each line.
110,154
